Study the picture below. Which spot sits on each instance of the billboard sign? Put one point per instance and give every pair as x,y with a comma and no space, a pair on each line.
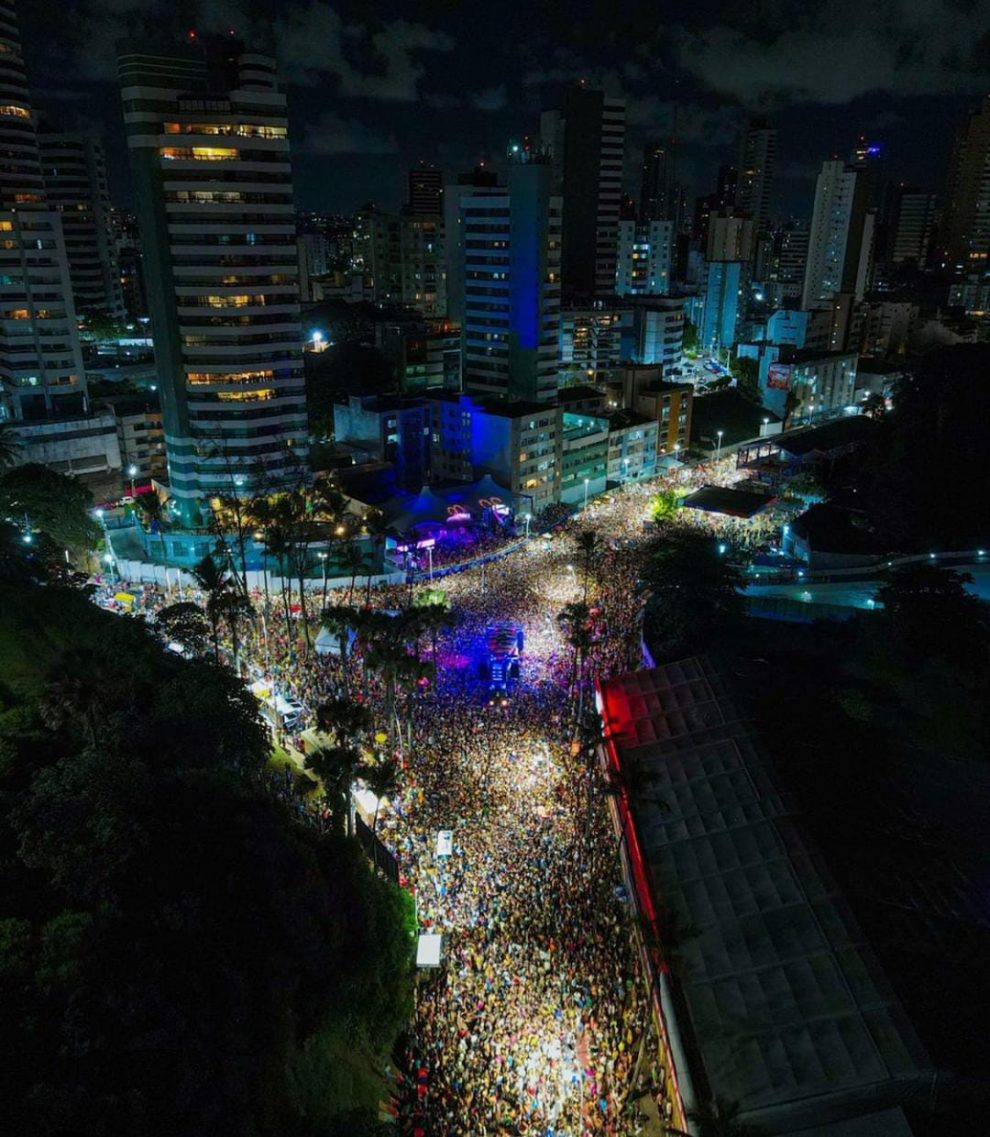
779,377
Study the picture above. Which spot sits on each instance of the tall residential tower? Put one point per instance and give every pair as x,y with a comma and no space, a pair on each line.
587,139
208,138
965,228
75,171
42,380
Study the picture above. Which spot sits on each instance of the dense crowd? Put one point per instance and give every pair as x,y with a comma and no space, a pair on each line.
534,1023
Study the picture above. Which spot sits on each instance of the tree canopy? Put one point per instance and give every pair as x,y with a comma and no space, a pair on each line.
927,480
171,941
53,504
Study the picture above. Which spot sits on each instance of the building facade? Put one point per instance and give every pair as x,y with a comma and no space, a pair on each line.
425,355
519,444
724,301
840,238
644,257
75,172
510,284
42,379
757,161
208,137
587,140
658,332
965,228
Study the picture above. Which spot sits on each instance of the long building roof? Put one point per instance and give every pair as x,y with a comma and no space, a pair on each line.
788,1010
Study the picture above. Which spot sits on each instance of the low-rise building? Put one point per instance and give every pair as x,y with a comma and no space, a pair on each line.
85,446
425,354
518,443
632,446
584,457
658,332
141,437
807,383
387,429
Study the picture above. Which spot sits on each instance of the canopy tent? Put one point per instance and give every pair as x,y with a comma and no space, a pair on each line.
441,506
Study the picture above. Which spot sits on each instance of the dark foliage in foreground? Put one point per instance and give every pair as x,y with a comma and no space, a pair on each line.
170,940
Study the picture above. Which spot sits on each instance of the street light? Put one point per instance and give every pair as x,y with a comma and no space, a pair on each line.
323,558
718,453
526,518
585,493
132,474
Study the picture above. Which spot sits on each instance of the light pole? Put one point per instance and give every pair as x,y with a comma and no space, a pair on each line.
718,452
323,558
108,558
429,553
132,474
526,518
585,493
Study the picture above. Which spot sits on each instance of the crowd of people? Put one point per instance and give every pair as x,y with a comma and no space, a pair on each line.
536,1020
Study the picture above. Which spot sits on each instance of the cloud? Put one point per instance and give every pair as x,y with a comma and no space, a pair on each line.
833,53
380,61
491,99
315,44
332,134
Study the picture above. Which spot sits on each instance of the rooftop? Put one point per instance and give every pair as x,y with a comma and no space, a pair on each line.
845,431
734,503
790,1013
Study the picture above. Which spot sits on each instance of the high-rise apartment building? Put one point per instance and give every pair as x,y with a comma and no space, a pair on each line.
910,226
75,172
655,201
42,379
407,261
788,262
644,258
757,159
509,286
425,190
587,139
965,228
725,283
840,239
730,237
208,137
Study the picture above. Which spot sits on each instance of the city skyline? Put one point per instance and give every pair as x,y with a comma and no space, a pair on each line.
417,82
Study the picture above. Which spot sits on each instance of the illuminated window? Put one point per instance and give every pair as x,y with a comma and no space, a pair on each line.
200,153
196,378
230,301
16,314
14,112
6,226
246,396
237,130
23,198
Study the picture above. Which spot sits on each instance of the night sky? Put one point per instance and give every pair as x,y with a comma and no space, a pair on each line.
375,86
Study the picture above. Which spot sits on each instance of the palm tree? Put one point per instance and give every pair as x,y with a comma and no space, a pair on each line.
80,691
382,778
150,504
352,560
340,620
346,720
212,579
336,767
10,445
588,543
432,610
575,622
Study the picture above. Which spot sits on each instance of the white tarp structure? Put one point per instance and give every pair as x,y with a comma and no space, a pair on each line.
428,950
445,843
